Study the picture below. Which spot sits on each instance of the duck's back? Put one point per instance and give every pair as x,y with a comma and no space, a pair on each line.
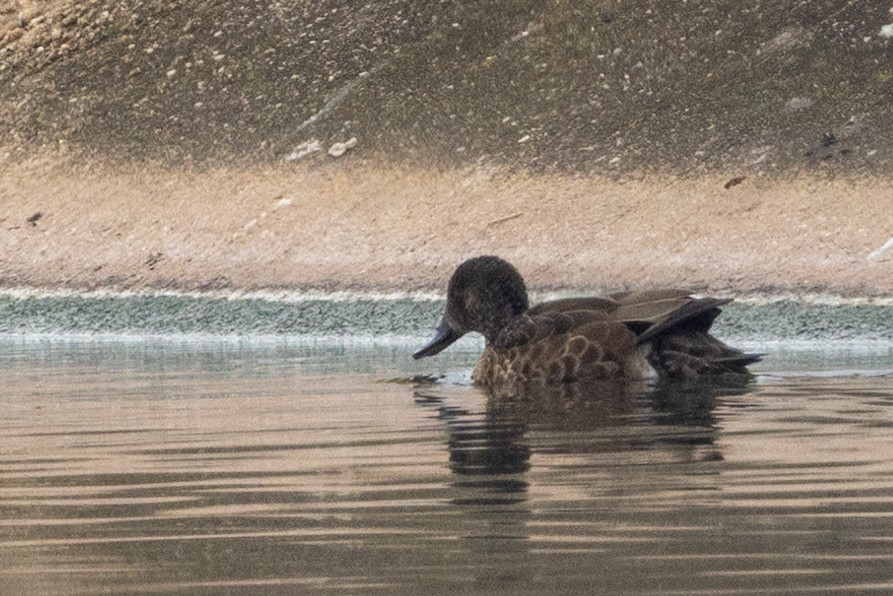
627,335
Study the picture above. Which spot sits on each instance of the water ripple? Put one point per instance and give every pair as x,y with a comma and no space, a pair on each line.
203,470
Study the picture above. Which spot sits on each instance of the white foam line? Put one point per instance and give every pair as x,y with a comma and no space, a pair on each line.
814,299
776,345
228,339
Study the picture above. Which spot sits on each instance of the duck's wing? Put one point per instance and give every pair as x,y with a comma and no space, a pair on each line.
652,318
670,326
675,328
648,314
646,296
639,310
595,304
532,326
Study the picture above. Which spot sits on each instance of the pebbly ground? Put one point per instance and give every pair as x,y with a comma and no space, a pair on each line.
734,147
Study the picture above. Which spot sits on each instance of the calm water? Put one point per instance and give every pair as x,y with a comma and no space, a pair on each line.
222,467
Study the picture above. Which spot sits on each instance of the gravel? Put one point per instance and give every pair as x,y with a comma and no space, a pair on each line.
651,86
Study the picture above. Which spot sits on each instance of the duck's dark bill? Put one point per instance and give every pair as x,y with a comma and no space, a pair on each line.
443,336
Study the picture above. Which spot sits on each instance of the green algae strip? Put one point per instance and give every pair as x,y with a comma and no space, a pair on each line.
385,316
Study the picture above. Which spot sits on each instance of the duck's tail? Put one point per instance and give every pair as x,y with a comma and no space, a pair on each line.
696,353
680,346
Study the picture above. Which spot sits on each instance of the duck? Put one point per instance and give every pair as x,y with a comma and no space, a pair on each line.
646,335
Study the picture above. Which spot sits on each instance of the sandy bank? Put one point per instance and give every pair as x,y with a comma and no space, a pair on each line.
354,226
516,128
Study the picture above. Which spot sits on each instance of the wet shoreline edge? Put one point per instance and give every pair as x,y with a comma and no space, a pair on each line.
385,317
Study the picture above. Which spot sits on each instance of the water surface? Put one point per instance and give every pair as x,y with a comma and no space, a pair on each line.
220,466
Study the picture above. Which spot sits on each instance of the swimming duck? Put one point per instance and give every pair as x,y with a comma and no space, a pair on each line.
629,335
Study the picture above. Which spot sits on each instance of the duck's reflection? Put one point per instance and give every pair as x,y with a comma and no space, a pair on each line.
495,442
510,460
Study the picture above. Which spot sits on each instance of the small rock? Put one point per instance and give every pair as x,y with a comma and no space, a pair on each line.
828,139
886,31
339,149
734,182
34,218
304,149
789,39
797,103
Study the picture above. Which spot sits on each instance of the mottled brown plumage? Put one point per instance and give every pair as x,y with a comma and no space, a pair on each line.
629,335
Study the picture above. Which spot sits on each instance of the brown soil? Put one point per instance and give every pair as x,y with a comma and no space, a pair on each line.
152,143
592,86
356,226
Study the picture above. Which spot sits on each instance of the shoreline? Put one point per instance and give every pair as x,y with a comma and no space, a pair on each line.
355,226
262,317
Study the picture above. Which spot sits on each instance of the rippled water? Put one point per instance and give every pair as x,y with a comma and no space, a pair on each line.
285,467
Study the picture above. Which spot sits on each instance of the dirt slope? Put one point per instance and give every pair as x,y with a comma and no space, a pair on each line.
593,86
356,226
717,144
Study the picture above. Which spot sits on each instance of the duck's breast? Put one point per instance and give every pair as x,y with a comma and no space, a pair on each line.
594,351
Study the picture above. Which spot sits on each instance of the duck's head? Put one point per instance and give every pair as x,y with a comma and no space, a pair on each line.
484,294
